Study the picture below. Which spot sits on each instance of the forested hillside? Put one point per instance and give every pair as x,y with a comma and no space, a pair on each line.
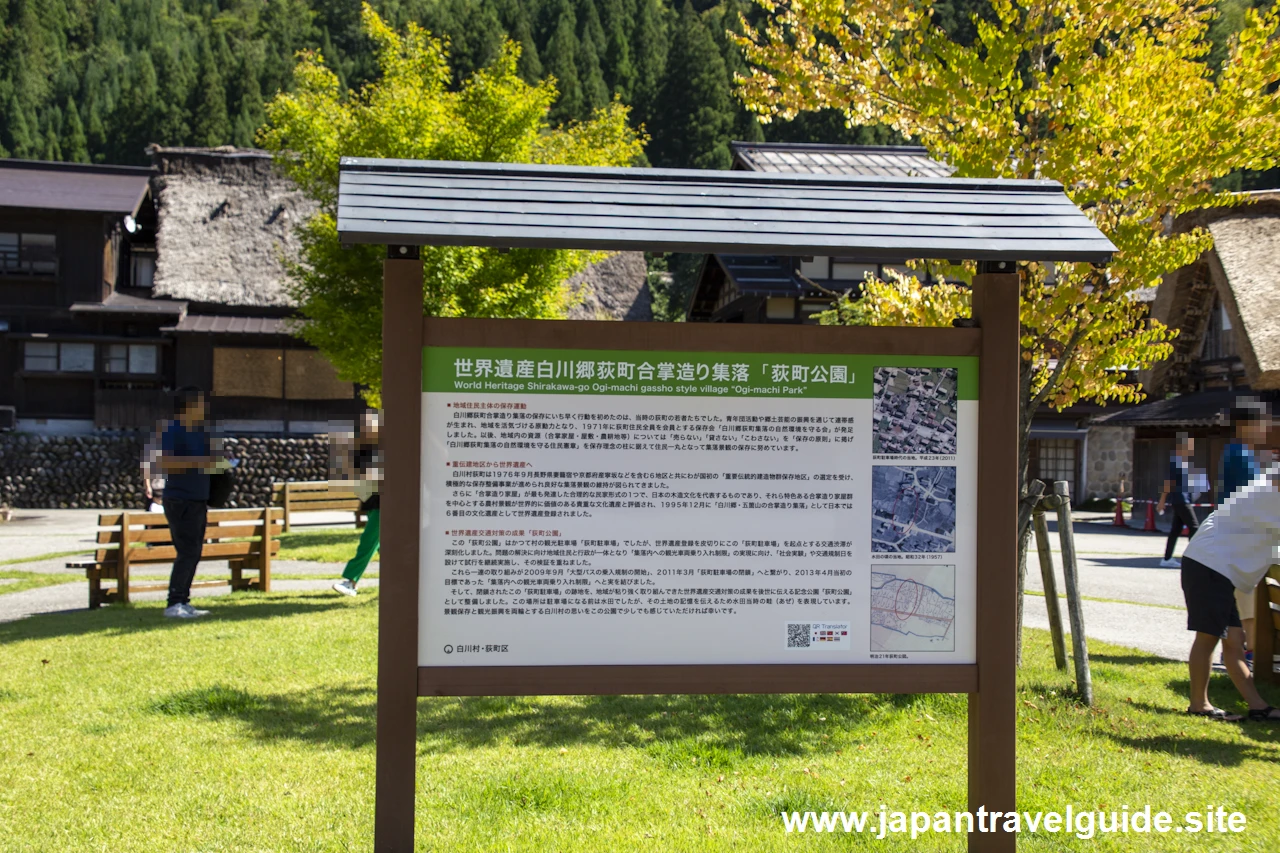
97,80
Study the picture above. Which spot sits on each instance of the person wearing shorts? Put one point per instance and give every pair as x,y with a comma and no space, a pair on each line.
1232,551
1250,421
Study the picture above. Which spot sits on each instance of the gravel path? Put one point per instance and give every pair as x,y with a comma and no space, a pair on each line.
75,596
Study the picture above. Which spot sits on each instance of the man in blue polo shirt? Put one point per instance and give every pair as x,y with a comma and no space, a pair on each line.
186,458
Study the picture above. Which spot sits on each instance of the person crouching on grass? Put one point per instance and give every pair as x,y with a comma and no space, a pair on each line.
367,469
186,458
1232,551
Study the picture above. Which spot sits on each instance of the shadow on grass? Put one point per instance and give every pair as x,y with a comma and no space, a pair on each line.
1132,660
707,731
337,715
128,619
1220,753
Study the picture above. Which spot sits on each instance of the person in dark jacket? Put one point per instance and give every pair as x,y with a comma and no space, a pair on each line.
186,459
367,467
1177,493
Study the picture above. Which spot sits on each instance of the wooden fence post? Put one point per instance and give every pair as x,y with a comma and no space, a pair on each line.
1050,589
1075,607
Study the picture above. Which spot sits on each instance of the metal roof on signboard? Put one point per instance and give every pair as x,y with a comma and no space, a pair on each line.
910,160
72,186
676,210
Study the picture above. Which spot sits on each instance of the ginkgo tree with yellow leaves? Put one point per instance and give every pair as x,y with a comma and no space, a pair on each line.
1113,98
410,112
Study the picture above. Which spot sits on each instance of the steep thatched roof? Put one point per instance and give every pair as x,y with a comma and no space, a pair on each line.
613,289
226,222
1242,271
1248,250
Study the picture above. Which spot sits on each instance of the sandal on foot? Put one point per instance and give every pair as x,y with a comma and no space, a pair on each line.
1220,716
1263,715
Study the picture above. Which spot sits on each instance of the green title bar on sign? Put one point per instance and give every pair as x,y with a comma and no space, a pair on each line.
496,370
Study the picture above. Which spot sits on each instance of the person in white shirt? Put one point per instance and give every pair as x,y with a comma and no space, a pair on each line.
1232,550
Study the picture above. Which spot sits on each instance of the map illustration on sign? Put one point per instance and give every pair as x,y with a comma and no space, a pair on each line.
914,410
913,509
913,608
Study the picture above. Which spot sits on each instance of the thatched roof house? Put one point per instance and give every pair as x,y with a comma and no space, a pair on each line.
226,222
1224,304
227,227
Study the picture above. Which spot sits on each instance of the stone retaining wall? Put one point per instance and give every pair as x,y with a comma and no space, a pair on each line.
102,471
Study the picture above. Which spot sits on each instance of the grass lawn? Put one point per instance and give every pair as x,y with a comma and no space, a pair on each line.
321,546
253,730
14,580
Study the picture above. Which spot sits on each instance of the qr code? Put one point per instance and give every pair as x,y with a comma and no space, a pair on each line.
799,635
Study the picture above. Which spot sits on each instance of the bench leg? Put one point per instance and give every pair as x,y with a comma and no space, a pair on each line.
95,590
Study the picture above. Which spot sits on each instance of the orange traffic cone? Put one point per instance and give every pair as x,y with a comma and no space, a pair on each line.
1150,526
1119,521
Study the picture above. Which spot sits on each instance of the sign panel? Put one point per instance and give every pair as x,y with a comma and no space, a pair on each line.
650,507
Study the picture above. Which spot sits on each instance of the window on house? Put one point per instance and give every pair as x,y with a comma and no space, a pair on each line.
851,269
131,358
143,268
1218,339
35,254
1055,459
75,358
39,355
51,357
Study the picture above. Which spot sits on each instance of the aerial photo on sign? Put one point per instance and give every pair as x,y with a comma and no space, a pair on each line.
913,509
914,409
913,608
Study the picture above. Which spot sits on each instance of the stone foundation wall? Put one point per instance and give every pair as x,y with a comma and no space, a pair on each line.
102,471
1110,463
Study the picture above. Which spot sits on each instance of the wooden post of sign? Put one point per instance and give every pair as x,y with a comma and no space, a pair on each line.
992,710
401,523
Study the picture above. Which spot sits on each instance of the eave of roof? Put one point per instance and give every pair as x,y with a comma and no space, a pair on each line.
40,185
212,324
121,303
516,205
1203,408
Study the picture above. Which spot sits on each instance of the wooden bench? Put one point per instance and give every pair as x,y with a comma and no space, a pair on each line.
1266,627
247,538
316,496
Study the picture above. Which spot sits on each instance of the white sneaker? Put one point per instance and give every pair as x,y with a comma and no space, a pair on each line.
345,587
184,611
1171,564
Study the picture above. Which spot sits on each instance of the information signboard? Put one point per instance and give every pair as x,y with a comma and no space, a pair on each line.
660,507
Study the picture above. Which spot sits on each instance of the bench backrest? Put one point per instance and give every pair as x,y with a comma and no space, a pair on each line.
149,540
317,495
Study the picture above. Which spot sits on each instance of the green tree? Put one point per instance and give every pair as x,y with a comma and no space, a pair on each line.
591,46
75,146
15,133
693,122
618,21
649,58
410,112
560,60
1114,101
210,123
